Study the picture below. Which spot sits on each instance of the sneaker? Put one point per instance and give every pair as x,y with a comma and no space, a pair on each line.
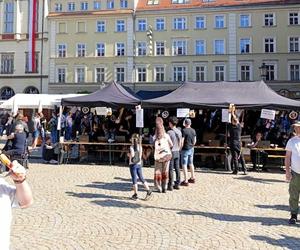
293,219
134,197
176,187
148,195
191,180
170,188
184,183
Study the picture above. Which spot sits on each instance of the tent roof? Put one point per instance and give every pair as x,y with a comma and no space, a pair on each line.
149,94
113,94
221,94
34,100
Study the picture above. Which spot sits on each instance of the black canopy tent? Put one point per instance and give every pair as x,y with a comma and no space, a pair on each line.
112,95
221,94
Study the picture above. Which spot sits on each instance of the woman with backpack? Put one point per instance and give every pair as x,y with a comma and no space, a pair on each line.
162,156
135,164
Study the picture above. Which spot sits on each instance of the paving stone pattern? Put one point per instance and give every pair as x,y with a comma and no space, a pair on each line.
87,207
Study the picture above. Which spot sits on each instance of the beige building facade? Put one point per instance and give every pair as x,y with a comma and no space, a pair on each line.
15,76
172,41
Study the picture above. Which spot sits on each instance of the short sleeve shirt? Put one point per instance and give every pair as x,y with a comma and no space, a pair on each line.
189,135
293,145
7,201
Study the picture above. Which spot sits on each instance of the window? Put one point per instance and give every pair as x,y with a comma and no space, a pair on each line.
200,47
62,28
152,2
141,48
180,1
9,17
100,74
269,19
269,45
120,49
219,73
110,4
200,22
295,72
179,48
7,63
58,7
61,50
120,74
141,74
71,6
271,72
6,93
84,6
219,47
294,18
101,26
61,75
100,49
179,73
294,44
159,74
200,73
160,23
81,49
120,26
31,90
81,27
80,74
245,45
123,4
35,67
97,5
142,25
245,21
160,48
219,22
179,23
245,73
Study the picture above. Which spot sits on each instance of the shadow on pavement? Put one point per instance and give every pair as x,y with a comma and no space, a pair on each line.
94,196
129,180
114,186
259,180
116,204
287,242
274,207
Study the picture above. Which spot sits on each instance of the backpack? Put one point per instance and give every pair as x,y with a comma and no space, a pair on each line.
136,158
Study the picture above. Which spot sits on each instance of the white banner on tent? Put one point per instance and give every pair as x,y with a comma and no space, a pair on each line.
268,114
226,116
183,112
139,118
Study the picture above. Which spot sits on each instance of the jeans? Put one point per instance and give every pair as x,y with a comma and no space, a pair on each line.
136,172
187,157
174,165
54,136
68,133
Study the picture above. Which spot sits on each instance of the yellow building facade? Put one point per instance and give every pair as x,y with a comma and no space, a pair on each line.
171,41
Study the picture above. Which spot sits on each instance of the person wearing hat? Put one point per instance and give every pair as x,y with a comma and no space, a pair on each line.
187,153
292,171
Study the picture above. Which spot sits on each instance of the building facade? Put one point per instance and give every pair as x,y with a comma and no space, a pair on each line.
16,74
172,41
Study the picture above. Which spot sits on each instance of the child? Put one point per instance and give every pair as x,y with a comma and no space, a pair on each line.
135,161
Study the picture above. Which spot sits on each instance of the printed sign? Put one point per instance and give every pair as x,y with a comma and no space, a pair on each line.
139,118
268,114
101,110
226,116
183,112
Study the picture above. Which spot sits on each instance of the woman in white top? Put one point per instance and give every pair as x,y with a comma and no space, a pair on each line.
162,156
135,164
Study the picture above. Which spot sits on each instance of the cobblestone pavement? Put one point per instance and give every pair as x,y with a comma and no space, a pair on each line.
87,207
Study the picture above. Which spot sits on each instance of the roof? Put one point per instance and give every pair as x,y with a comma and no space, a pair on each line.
167,4
221,94
112,95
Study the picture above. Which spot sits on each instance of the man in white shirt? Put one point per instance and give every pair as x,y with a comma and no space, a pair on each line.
292,171
19,195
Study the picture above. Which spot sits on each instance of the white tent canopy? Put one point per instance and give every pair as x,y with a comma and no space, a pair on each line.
34,101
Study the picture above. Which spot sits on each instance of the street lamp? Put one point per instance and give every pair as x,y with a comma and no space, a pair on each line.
263,71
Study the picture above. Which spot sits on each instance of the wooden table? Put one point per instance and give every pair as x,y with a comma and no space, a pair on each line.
274,153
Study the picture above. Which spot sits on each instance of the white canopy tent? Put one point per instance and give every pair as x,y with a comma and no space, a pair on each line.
34,101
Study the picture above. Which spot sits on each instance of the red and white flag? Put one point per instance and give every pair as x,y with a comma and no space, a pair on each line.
32,30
